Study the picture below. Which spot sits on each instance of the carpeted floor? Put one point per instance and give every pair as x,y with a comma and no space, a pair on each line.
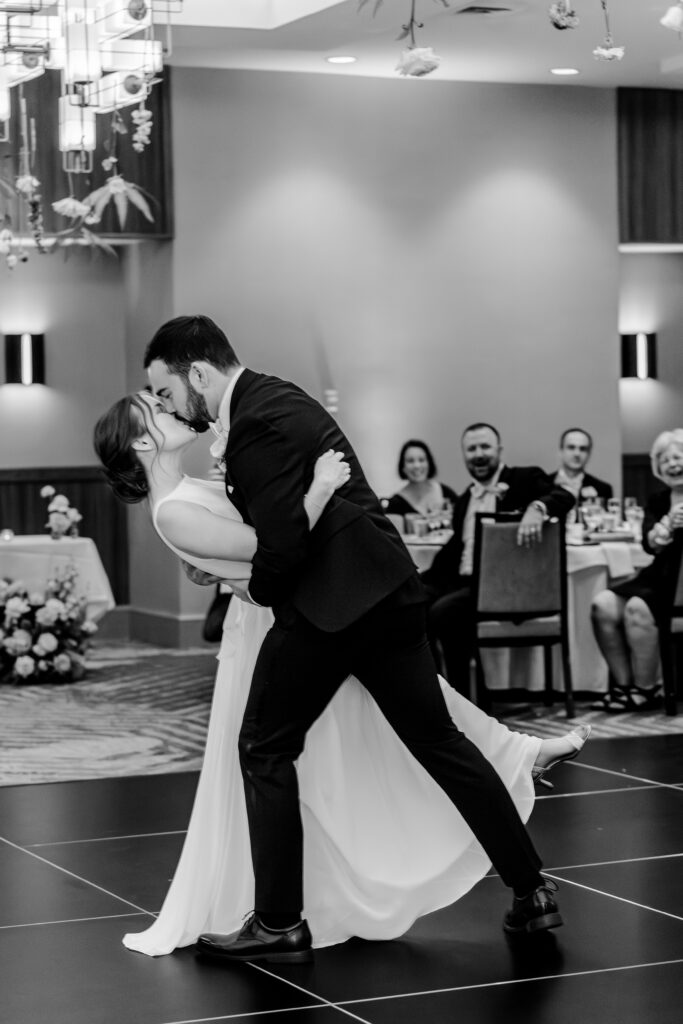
144,710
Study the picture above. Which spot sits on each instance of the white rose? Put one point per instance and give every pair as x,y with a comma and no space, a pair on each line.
673,18
47,491
417,61
48,641
24,666
16,607
73,515
59,503
62,664
46,617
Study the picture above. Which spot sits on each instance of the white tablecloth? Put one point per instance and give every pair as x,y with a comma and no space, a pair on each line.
33,559
590,569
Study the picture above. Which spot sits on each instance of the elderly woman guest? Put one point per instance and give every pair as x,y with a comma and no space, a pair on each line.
625,617
422,493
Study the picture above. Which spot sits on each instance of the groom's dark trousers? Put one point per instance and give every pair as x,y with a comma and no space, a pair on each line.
347,601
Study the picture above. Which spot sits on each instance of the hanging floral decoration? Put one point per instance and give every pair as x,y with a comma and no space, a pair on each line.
562,16
415,61
607,50
673,18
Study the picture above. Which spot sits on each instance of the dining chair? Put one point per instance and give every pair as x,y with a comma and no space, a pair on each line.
671,635
520,594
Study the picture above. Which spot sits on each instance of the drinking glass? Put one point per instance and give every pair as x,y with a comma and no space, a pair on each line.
614,509
630,503
634,516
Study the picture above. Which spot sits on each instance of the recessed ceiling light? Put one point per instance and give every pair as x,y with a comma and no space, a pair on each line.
341,60
564,71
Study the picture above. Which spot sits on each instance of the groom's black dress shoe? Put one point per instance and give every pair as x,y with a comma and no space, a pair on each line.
535,912
256,942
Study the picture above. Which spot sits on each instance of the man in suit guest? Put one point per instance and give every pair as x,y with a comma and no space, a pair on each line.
576,446
495,488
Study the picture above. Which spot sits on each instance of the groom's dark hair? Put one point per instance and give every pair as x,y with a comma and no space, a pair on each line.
188,339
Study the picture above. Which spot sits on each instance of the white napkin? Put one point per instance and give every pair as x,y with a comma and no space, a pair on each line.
619,559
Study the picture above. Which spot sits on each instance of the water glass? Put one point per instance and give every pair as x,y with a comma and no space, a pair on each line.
634,516
614,509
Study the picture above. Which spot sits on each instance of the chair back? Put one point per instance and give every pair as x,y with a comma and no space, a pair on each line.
514,582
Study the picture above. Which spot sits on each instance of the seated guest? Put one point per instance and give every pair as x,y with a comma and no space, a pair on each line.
576,446
625,616
496,488
422,492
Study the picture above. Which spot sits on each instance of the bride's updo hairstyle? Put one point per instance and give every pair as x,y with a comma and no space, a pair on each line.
115,431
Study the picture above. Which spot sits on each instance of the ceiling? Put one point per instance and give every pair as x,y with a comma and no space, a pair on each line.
516,43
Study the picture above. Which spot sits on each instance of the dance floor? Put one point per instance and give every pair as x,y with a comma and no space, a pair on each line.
83,862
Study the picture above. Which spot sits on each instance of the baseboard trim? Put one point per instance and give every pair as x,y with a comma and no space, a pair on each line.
164,629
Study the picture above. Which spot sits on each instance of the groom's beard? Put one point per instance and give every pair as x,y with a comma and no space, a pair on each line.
198,416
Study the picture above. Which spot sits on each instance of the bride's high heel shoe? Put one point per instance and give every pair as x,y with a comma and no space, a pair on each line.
577,738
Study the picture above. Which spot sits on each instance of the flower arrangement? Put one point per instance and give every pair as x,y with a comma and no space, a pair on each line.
62,518
43,637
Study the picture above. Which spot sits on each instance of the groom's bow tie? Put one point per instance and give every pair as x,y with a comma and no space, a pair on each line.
218,447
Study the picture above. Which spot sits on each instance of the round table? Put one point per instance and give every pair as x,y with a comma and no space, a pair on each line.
33,559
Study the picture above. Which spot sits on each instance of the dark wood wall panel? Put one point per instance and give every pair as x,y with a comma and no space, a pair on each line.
104,519
638,481
650,165
151,170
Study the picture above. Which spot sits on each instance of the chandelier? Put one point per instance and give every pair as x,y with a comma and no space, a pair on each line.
109,54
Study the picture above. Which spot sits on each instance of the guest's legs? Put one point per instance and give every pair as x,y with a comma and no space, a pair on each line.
607,614
642,637
450,621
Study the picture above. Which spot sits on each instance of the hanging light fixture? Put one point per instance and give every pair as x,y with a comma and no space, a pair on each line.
108,52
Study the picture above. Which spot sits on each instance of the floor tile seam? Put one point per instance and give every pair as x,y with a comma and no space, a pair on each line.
79,878
71,920
508,981
598,792
307,992
626,775
613,896
598,864
611,863
107,839
244,1016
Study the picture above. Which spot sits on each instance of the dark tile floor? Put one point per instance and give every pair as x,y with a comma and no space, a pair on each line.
83,862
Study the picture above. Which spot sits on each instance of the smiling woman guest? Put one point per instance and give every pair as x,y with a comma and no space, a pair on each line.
626,617
422,493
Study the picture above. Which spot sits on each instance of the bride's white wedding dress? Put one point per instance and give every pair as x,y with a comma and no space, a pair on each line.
382,842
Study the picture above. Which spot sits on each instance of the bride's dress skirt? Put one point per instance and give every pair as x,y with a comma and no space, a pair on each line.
382,843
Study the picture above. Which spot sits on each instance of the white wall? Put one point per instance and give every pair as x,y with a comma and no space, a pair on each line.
652,301
78,306
439,252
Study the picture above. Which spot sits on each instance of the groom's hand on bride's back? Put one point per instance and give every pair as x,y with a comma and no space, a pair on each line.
198,576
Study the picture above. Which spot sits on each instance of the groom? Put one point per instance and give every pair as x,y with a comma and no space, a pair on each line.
347,601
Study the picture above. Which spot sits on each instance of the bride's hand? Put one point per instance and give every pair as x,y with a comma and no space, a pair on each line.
331,470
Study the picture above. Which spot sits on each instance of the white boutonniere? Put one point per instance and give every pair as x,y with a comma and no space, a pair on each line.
501,490
589,492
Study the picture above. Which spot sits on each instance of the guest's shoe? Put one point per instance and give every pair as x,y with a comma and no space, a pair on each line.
535,912
256,942
577,738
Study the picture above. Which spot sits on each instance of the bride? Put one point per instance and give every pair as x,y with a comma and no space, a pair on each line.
367,805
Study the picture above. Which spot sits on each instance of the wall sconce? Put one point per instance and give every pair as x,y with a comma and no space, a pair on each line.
639,356
25,358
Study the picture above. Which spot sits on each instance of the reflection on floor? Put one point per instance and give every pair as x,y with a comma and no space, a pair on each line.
83,862
144,710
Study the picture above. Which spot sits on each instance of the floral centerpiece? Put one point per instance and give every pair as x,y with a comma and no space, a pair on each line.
43,636
62,518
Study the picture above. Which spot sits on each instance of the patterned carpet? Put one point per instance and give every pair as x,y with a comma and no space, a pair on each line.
143,710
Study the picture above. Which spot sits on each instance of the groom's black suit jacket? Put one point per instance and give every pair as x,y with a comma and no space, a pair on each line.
353,558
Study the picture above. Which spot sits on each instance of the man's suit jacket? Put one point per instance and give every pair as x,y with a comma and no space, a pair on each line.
354,557
525,484
601,487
